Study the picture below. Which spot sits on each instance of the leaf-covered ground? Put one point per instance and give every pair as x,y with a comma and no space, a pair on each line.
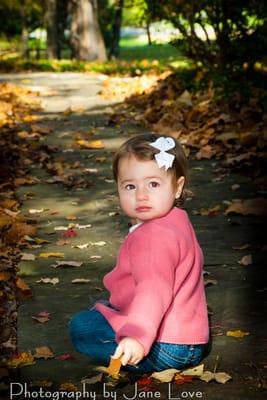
59,213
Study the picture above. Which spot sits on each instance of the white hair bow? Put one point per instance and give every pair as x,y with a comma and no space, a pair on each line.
163,158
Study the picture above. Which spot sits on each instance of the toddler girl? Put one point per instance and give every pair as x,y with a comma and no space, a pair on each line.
156,317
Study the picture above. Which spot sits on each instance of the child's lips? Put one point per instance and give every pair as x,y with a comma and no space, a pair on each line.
143,208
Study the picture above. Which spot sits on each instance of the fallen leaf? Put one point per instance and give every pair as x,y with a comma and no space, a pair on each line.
100,243
245,260
208,282
219,377
43,352
93,379
25,289
241,247
71,218
195,371
65,357
237,334
70,233
80,280
91,144
67,264
33,211
144,381
27,257
257,206
181,379
42,317
114,367
4,276
62,242
21,359
53,281
81,246
47,255
166,375
235,186
68,387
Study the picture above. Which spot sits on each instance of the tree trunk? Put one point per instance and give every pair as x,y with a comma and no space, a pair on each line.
24,31
148,33
86,38
51,28
116,30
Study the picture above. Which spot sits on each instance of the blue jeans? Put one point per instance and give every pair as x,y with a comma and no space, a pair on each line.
92,335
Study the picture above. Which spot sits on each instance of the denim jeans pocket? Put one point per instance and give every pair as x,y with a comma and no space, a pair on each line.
180,356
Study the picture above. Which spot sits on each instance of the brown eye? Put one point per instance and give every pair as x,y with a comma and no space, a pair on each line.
130,186
153,184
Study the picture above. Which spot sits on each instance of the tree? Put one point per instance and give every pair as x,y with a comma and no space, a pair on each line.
51,28
86,38
116,29
239,28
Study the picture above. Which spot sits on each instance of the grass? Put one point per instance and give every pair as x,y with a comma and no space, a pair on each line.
136,57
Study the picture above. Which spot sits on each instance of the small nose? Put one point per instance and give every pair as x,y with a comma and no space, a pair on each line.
141,193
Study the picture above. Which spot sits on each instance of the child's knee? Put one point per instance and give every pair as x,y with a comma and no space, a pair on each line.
78,325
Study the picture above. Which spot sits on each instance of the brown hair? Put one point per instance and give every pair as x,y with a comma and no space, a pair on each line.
139,147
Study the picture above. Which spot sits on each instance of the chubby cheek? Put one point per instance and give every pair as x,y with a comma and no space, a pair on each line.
125,203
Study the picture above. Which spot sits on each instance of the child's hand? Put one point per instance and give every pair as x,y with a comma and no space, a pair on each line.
131,351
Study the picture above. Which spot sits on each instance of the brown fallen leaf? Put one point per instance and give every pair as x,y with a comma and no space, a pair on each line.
257,206
93,379
43,352
68,387
25,289
114,367
241,247
245,260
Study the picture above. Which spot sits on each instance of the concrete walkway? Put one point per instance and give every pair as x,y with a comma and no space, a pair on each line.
236,293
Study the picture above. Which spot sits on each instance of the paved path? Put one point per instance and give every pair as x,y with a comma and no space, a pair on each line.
236,301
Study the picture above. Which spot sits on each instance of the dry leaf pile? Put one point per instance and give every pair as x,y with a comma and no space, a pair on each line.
15,106
234,131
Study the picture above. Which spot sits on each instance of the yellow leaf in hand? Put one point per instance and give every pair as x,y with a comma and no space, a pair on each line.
114,367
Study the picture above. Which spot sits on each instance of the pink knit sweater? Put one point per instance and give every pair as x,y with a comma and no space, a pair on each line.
157,288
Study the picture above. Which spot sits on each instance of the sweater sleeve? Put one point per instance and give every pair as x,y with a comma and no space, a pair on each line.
153,256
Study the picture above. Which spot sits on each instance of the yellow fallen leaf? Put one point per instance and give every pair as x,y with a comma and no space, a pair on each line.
21,359
114,367
237,334
47,255
91,144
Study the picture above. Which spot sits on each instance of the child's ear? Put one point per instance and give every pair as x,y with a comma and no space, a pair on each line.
179,187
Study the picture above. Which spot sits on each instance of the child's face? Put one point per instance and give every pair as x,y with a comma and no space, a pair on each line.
145,190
